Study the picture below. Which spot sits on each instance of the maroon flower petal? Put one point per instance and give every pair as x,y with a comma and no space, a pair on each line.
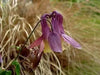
24,51
35,58
71,41
37,42
41,48
55,42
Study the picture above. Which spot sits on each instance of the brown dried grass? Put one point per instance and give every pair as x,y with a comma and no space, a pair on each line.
17,21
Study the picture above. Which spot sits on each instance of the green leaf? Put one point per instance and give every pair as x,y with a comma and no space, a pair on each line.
17,67
5,72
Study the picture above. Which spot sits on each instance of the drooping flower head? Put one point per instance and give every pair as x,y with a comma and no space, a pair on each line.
54,34
51,36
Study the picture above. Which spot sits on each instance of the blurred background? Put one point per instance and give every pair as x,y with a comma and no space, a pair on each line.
81,21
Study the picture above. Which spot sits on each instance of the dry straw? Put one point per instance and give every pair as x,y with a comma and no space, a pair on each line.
17,19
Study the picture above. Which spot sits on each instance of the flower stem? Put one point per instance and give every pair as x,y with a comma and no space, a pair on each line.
27,39
32,32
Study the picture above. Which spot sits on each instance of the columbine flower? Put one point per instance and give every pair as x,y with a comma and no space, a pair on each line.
57,20
48,37
52,37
